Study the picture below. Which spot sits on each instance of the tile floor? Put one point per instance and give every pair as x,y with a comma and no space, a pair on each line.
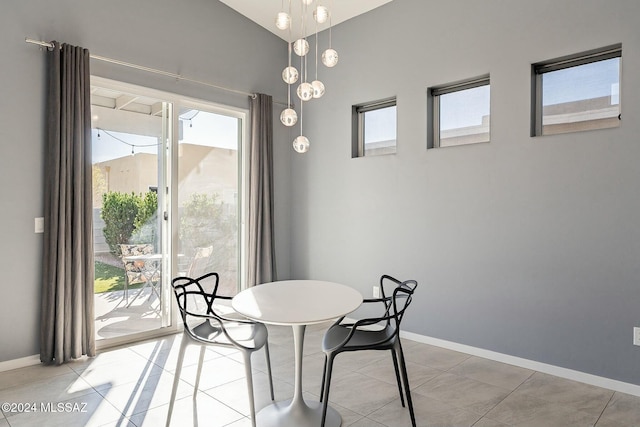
130,386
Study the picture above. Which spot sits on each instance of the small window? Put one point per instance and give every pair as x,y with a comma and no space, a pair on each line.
460,113
578,92
374,128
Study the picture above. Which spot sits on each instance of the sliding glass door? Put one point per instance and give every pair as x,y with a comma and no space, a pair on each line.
208,194
130,140
167,193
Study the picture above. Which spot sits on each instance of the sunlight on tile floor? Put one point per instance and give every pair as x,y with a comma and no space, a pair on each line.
131,386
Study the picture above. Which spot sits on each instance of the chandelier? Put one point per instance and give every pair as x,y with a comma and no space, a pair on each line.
305,90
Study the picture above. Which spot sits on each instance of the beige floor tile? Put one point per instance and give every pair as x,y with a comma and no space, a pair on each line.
150,392
491,372
352,361
463,392
236,396
487,422
426,410
56,389
348,416
365,422
278,355
201,411
361,394
312,366
165,354
449,388
623,409
106,357
384,371
435,357
214,373
119,372
31,373
579,396
243,422
522,409
90,410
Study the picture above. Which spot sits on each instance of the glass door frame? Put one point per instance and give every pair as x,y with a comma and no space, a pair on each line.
168,211
243,168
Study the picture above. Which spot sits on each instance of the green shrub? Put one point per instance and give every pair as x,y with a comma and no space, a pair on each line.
145,221
128,218
203,222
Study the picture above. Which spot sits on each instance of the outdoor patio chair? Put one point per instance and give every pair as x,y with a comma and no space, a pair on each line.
200,263
134,270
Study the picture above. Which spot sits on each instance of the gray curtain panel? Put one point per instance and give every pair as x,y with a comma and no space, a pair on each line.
67,322
261,247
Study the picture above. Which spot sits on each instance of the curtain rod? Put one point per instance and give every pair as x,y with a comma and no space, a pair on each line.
153,70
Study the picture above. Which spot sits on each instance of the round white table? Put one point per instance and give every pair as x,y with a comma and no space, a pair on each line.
297,303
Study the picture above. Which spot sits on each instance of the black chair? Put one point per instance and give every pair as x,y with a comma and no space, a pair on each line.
205,325
374,333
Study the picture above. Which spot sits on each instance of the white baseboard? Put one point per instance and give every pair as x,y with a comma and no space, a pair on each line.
569,374
20,363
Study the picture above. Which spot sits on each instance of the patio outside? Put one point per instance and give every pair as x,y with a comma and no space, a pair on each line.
115,315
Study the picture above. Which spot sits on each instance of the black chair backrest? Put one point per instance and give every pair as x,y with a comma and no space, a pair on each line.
400,298
187,288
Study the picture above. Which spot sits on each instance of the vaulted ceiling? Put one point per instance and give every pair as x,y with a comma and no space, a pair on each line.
263,12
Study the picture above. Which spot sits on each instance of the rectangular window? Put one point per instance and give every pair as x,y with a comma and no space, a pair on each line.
374,128
460,113
577,92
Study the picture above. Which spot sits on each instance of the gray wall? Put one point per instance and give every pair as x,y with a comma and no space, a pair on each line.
200,39
523,246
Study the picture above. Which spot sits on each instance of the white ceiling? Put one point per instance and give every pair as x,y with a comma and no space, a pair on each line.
263,13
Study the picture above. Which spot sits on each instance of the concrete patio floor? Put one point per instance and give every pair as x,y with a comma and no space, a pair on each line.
114,318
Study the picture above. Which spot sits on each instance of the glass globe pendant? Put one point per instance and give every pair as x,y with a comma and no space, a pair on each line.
301,144
318,88
321,14
301,47
305,91
289,117
283,20
330,58
290,75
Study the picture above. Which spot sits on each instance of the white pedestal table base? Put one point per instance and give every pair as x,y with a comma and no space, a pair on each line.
305,414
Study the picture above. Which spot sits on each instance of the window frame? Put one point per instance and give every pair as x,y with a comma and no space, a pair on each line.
565,62
434,108
358,125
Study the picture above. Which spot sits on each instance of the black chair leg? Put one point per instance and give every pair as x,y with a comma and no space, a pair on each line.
327,383
395,366
268,357
324,373
405,380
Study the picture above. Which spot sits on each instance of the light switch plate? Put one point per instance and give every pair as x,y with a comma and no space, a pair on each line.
39,225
